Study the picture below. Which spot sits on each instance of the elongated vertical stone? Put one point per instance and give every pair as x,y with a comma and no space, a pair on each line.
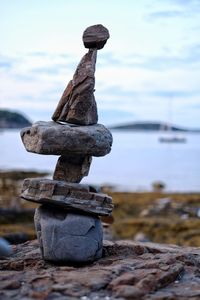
72,168
77,104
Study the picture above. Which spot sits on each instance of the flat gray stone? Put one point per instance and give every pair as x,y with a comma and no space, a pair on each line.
95,37
68,237
67,196
58,139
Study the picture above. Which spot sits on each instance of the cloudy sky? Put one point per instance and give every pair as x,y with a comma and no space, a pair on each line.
149,67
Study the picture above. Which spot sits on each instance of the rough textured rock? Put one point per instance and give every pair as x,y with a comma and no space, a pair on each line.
77,104
66,195
53,138
68,237
95,36
72,168
127,270
67,224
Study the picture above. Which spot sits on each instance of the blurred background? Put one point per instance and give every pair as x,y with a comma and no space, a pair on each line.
147,92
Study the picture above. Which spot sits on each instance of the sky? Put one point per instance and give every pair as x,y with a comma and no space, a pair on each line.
149,70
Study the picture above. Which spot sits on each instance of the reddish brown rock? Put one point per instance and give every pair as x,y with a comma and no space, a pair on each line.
65,96
77,104
95,37
72,168
128,270
66,196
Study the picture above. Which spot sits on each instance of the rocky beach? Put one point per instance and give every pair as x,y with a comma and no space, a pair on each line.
159,216
66,239
132,267
127,270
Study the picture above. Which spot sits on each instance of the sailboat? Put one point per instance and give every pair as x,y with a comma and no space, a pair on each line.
174,139
170,136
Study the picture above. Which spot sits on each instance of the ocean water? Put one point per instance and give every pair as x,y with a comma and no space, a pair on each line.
136,161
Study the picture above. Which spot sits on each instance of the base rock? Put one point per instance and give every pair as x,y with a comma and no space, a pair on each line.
127,270
68,237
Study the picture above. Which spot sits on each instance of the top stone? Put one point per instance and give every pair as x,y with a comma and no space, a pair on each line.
95,37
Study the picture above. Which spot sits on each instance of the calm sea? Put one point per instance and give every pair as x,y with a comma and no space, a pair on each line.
135,162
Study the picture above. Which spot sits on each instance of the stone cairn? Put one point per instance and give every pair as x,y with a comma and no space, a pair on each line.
67,221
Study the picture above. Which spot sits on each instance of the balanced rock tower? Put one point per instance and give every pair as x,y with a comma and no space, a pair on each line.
67,221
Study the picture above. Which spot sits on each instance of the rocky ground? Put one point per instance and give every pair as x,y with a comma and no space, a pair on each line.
128,270
169,218
160,217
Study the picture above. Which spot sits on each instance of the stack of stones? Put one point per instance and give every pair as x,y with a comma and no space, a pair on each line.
67,221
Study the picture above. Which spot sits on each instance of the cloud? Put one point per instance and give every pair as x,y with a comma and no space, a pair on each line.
5,62
185,3
49,70
127,88
175,93
108,58
5,65
187,57
114,116
165,14
173,9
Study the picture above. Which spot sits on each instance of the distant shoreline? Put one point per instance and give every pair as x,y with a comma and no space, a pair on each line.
152,127
12,120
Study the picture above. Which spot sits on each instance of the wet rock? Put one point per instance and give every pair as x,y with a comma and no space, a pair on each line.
95,36
72,168
58,139
68,237
67,196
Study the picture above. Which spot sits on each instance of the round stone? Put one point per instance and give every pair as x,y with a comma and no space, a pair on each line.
95,37
5,248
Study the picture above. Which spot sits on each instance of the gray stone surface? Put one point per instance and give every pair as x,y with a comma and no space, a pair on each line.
58,139
95,37
72,168
5,248
66,195
77,104
68,237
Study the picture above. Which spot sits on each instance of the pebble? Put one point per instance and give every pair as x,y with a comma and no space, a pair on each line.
5,248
